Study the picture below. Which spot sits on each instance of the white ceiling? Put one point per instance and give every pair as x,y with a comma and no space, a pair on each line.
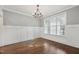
46,10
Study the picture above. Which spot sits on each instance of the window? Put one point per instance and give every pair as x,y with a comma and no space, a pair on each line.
55,24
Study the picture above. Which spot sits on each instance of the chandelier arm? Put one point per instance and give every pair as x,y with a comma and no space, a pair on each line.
38,14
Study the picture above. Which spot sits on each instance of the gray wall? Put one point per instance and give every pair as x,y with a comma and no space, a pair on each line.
15,19
73,16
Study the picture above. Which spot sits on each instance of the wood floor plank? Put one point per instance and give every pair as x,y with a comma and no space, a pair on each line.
36,46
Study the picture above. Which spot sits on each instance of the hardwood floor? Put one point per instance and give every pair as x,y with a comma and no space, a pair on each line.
38,46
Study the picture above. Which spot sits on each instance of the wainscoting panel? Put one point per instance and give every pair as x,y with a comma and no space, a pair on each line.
13,34
72,33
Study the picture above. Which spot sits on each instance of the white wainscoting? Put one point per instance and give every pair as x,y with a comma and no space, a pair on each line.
13,34
71,36
72,33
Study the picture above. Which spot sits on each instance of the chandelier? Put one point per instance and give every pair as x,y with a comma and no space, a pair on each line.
37,13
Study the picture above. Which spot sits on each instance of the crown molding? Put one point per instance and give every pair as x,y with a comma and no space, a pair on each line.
49,14
59,11
18,12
